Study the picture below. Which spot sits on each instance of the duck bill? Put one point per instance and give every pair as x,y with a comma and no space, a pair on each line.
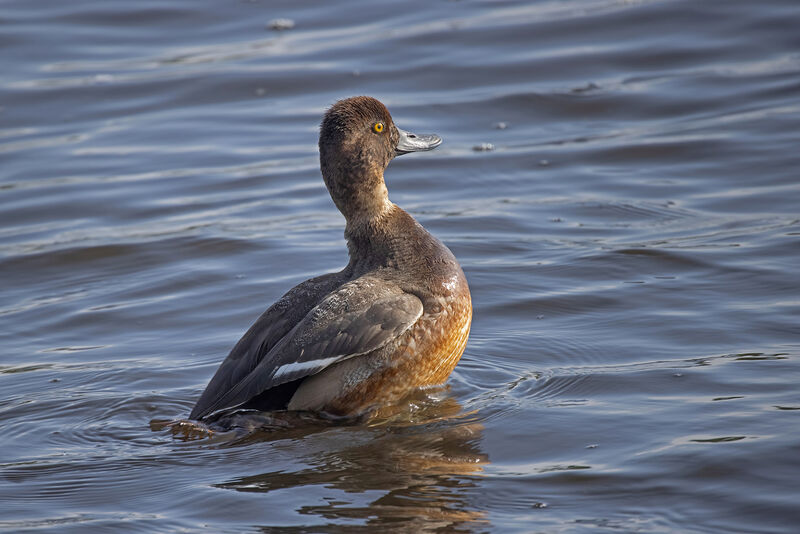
410,142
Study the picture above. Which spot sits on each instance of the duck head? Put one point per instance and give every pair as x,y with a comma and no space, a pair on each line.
357,141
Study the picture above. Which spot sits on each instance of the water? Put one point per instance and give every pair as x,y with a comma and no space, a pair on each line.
619,180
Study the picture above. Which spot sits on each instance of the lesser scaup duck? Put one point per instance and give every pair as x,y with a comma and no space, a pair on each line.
396,318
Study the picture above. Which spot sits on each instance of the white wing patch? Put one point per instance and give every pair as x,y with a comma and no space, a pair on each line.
302,366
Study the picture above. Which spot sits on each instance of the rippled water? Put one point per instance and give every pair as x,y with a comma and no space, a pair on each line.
619,180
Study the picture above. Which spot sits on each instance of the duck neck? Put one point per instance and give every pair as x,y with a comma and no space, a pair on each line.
356,187
366,207
370,222
369,237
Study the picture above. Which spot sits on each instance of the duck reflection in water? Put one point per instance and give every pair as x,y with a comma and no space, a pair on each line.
423,460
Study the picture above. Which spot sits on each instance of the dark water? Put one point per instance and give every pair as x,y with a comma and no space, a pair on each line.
630,230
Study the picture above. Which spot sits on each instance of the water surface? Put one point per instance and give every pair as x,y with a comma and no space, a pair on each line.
619,180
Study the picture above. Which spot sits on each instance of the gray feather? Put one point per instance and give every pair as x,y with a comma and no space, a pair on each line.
357,318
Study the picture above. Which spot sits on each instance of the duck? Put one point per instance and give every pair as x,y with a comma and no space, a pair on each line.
395,319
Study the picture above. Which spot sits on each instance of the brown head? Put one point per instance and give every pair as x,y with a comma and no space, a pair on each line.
357,140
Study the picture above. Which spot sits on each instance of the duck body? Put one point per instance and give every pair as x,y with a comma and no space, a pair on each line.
397,317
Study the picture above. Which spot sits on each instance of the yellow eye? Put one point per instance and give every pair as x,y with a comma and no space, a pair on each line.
377,127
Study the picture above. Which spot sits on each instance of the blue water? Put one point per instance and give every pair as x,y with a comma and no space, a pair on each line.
619,180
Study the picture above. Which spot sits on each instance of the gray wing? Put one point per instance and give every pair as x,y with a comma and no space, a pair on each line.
265,333
359,317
